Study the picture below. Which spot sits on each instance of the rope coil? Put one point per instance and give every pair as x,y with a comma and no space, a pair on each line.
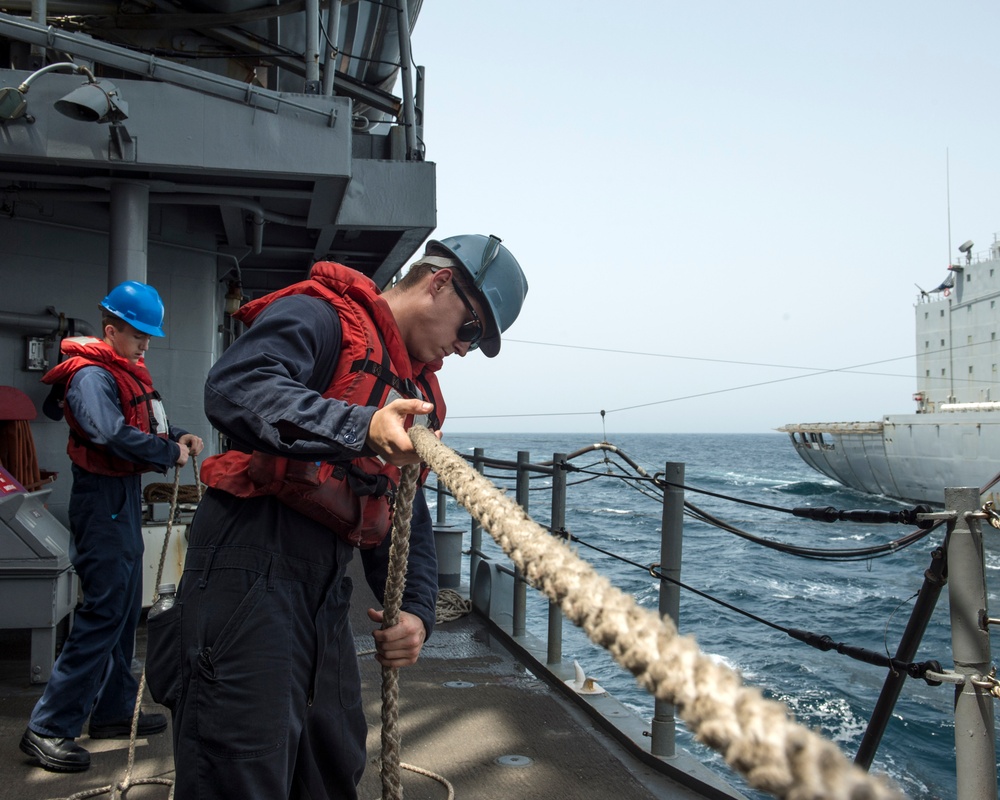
756,736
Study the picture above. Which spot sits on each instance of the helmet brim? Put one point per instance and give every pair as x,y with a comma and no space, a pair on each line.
490,345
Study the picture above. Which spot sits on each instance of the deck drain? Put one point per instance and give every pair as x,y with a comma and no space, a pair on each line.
458,685
514,761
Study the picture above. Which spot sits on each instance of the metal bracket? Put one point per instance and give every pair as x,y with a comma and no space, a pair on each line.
988,682
945,677
122,146
936,516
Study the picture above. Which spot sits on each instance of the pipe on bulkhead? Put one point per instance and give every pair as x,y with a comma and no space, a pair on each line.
64,7
311,55
39,14
333,40
46,323
128,250
405,67
260,215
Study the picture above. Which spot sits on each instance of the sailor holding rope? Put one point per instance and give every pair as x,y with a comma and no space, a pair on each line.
256,660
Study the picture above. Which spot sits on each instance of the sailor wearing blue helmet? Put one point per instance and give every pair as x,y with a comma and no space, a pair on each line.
118,431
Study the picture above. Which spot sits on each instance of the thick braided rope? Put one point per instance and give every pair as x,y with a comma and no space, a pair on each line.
399,553
450,606
773,752
166,538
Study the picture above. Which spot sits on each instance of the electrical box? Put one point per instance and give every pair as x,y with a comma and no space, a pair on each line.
35,359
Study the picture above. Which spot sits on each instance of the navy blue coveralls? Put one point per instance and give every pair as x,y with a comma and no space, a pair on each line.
93,674
256,660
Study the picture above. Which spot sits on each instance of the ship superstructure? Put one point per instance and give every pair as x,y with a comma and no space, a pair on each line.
215,150
953,437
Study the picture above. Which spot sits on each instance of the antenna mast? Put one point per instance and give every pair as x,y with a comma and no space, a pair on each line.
947,185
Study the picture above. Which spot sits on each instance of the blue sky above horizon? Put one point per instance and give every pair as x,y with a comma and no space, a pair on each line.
722,208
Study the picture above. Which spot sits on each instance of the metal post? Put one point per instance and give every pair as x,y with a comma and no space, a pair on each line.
442,500
128,232
906,650
476,546
671,540
405,64
975,735
419,103
520,587
333,34
558,524
311,55
39,14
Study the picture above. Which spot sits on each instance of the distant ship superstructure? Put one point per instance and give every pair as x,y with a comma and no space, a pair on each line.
953,439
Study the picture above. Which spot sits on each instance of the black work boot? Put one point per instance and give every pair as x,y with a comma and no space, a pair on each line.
55,753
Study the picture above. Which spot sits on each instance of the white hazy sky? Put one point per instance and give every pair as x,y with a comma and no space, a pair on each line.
712,201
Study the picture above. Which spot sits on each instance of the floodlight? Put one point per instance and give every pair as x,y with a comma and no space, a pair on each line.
13,101
94,101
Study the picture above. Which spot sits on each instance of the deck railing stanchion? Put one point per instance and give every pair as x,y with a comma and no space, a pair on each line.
442,499
476,546
520,587
558,526
671,539
975,734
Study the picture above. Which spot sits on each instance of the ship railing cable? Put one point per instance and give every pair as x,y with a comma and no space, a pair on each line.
758,737
818,553
819,641
641,480
823,514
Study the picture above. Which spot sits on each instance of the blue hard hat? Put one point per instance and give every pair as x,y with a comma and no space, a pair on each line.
497,276
138,304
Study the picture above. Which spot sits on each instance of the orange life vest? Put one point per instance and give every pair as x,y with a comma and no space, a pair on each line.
353,498
141,404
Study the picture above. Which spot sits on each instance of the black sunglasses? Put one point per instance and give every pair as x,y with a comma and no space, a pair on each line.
471,331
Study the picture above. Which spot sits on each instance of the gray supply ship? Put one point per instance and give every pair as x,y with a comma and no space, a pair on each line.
953,437
216,149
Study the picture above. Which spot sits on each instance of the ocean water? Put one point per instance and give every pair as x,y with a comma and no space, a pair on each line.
861,603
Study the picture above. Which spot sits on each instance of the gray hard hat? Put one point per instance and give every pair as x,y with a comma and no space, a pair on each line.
496,276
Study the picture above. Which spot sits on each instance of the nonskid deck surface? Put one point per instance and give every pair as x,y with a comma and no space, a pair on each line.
468,712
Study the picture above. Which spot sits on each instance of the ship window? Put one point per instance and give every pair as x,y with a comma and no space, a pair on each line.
942,342
993,335
968,277
970,369
968,340
927,314
927,373
927,344
943,373
942,312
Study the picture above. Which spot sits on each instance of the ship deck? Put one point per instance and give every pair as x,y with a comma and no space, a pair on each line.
469,711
